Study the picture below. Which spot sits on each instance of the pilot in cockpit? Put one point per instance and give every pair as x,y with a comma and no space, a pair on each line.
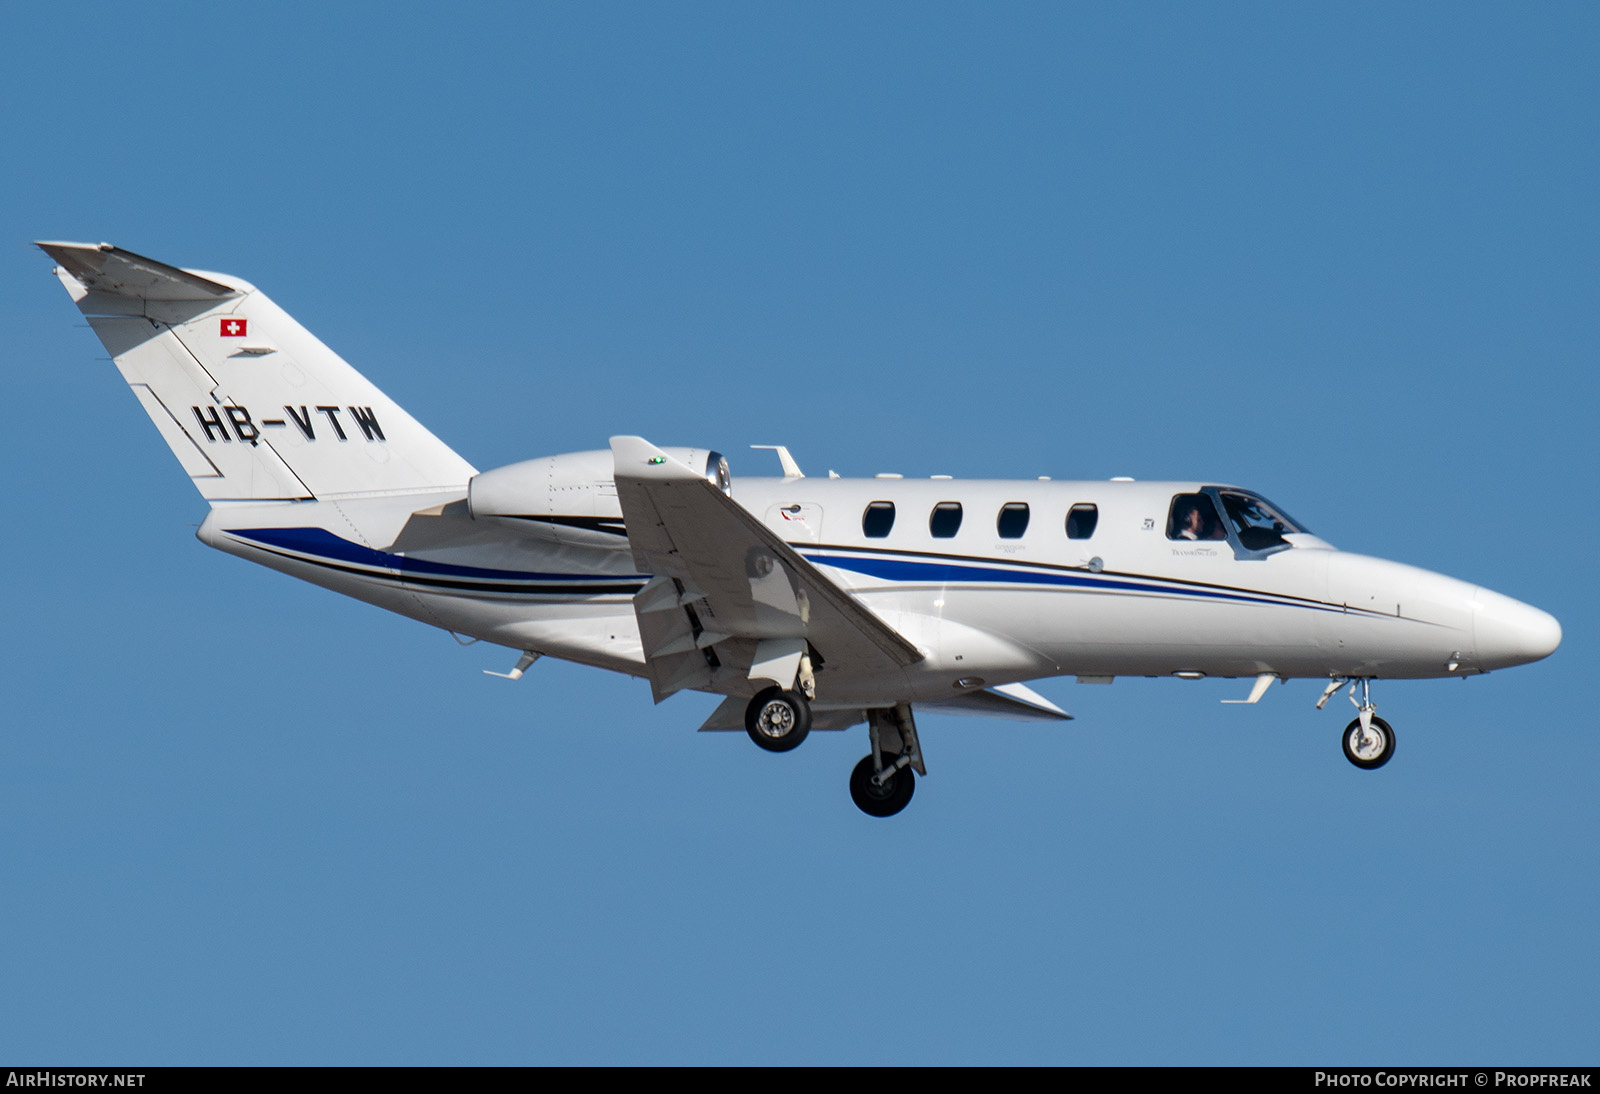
1195,517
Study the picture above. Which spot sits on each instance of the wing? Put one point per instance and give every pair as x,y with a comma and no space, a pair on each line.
730,603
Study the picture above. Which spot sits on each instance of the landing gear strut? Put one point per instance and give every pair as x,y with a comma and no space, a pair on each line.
882,784
778,720
1369,740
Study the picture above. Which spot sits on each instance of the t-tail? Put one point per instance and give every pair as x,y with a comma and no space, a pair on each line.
254,406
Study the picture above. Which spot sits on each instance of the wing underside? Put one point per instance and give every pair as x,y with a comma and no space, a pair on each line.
730,605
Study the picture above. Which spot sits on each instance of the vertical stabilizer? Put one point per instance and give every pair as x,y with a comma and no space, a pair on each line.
253,405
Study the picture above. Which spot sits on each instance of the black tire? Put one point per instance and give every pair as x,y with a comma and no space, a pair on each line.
885,800
778,720
1372,757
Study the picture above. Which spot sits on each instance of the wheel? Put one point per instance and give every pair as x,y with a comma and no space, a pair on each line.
778,720
885,800
1372,750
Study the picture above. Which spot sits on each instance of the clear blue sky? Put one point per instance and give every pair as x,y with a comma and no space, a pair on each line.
1345,254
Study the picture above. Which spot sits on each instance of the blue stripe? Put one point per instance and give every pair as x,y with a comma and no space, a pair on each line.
946,573
322,545
325,545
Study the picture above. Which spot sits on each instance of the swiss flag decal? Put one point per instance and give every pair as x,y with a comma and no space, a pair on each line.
233,328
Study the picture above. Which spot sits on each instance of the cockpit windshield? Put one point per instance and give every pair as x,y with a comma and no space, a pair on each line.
1258,523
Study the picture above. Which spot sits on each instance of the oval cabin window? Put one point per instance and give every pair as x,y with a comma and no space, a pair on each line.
1013,520
878,519
945,521
1081,520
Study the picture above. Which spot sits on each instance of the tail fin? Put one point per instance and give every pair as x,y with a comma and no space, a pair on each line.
251,403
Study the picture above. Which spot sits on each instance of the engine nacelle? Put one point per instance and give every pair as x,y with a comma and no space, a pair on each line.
571,498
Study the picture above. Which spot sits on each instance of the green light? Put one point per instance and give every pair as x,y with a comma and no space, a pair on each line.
658,459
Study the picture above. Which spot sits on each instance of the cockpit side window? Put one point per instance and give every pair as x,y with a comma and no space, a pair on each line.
1257,522
1194,517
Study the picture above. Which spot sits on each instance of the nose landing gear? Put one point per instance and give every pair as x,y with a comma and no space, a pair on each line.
1368,740
1368,746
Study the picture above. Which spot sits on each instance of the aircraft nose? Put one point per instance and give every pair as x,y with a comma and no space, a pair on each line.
1509,632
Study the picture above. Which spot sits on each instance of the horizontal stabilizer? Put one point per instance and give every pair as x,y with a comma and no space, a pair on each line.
111,270
1014,701
729,715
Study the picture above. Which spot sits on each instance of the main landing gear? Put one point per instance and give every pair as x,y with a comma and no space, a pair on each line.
1368,740
882,784
881,793
778,720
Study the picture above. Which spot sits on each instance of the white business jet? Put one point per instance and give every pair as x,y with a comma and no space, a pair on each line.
810,603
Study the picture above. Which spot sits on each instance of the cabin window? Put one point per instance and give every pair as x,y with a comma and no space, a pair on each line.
1193,516
878,519
1013,520
945,520
1081,520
